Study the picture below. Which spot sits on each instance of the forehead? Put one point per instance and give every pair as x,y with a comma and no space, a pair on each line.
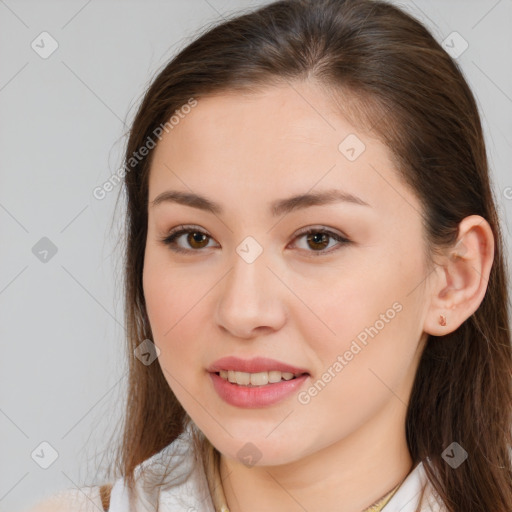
288,117
280,141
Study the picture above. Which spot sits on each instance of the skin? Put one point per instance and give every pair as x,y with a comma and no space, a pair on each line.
347,447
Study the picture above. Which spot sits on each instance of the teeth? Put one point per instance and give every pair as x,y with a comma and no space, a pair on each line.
255,379
243,378
274,376
259,379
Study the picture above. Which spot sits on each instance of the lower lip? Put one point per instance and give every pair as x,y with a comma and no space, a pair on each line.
259,396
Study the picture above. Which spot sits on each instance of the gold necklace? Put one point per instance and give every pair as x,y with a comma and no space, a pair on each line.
220,501
379,504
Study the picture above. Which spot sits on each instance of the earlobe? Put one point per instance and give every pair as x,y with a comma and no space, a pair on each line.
460,283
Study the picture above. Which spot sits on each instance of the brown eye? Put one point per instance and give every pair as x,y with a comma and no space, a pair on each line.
196,237
194,241
318,239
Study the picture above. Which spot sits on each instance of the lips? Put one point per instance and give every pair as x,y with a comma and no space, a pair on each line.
266,390
258,396
255,365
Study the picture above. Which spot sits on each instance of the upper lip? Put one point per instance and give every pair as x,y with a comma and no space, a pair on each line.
254,365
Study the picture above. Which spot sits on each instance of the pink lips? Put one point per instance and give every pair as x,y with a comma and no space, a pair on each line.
255,365
258,396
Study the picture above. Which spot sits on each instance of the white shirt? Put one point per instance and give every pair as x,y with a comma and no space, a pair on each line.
185,488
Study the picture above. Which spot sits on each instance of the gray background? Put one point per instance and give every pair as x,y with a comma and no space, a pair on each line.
62,123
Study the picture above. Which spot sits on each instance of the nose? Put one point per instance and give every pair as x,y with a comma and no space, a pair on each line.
250,300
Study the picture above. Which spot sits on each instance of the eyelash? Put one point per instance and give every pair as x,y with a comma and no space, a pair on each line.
170,239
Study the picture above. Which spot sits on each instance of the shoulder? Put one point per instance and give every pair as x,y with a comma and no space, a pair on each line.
83,499
172,479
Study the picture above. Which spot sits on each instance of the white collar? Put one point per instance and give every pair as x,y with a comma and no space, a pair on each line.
416,491
186,488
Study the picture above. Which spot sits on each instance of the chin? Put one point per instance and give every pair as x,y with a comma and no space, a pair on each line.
257,451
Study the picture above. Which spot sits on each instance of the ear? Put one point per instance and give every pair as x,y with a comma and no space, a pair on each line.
461,277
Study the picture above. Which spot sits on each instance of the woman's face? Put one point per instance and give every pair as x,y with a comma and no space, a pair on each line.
347,313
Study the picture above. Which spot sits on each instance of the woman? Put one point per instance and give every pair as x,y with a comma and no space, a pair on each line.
314,250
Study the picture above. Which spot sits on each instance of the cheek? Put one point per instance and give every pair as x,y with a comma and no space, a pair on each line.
168,292
175,305
161,294
369,316
368,362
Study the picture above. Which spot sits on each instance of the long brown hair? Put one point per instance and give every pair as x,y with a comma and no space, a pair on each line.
405,88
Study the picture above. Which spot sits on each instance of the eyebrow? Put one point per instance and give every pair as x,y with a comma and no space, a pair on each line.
278,207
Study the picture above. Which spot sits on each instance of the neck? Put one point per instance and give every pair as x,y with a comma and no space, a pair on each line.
347,476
